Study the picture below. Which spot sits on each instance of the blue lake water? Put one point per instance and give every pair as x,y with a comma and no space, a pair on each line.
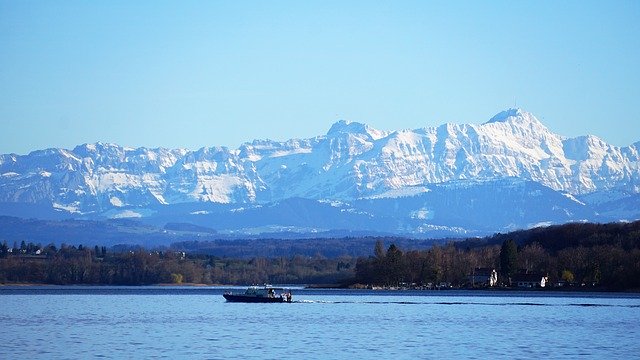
183,322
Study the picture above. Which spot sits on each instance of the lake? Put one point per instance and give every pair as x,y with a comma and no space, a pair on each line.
50,322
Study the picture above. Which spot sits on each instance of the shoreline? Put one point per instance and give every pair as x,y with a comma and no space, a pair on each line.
338,287
116,285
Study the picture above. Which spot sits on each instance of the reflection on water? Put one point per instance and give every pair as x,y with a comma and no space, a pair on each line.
51,322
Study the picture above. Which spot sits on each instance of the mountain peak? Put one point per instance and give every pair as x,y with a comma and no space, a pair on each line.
96,146
509,114
352,127
343,126
516,117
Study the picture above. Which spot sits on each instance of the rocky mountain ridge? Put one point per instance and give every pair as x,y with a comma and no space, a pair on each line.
351,163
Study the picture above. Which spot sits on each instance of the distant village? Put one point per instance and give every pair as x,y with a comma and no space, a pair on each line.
485,278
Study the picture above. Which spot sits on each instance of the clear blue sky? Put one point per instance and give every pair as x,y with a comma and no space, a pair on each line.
204,73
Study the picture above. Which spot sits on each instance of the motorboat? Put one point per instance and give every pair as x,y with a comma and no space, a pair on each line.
260,294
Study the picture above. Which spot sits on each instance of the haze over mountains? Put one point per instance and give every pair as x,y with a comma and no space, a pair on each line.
510,172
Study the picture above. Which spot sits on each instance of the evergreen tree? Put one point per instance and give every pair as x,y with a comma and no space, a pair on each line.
395,264
508,260
4,249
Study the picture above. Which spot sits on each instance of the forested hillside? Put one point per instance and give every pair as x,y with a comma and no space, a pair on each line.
593,256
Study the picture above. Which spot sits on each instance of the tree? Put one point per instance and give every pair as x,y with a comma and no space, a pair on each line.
508,259
4,249
567,276
379,250
176,278
533,257
395,264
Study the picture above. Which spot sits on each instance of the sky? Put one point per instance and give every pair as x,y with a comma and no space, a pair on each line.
190,74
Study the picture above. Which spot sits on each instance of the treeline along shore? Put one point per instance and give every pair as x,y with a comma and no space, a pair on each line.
571,256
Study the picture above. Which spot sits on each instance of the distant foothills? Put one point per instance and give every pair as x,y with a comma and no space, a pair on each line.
575,256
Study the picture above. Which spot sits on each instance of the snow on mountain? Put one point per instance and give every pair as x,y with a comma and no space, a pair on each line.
212,175
351,161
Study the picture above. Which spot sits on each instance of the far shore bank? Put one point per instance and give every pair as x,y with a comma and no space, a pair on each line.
356,287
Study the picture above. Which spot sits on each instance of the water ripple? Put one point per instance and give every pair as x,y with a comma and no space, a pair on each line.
319,325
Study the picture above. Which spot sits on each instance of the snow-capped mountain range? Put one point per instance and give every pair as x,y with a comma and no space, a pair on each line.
404,181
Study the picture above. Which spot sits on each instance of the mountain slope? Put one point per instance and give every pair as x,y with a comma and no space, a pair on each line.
351,164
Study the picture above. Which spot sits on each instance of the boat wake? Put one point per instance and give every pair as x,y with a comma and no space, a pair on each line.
462,303
316,302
